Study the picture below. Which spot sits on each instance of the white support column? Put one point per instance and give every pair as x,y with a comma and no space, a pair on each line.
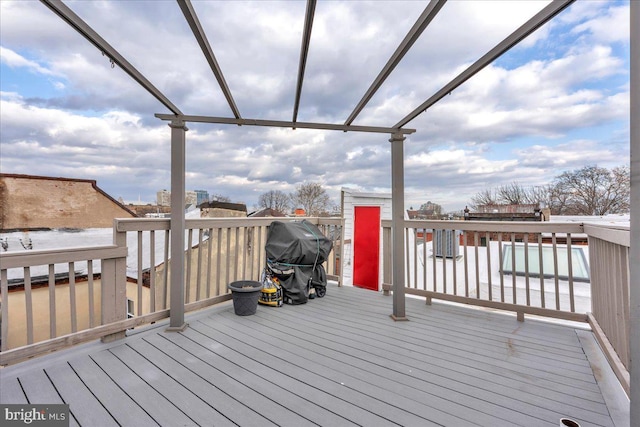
176,306
634,259
397,227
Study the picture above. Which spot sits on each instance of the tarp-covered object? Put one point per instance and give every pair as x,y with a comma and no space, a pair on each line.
295,253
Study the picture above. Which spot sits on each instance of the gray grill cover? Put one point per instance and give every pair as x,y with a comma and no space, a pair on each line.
292,249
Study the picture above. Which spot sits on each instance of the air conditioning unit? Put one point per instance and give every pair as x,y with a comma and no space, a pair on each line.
446,243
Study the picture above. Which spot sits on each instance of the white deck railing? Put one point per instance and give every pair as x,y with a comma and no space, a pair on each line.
528,268
535,268
131,288
610,286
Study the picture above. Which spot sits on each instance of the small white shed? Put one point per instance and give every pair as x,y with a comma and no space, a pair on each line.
362,259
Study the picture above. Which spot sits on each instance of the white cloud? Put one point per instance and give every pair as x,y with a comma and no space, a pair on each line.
100,124
14,60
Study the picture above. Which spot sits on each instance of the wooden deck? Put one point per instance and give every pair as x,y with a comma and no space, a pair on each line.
335,361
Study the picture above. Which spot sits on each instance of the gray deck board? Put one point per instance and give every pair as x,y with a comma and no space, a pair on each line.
445,391
336,361
87,410
11,392
39,390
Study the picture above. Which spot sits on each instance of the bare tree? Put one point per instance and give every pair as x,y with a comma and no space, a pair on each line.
312,198
275,199
484,197
593,190
512,194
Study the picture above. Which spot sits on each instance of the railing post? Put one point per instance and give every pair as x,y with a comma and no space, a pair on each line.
114,287
176,305
397,227
634,291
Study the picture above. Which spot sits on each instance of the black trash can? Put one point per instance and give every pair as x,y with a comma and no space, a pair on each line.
245,294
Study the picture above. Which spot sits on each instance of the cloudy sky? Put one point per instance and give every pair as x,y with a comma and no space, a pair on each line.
559,101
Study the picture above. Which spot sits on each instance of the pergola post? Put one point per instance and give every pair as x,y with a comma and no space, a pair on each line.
397,226
634,255
176,306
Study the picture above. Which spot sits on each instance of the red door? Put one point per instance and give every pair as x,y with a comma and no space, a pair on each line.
366,247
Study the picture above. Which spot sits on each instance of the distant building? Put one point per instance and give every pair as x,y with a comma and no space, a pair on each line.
163,198
150,211
29,202
523,212
222,209
202,196
195,198
191,198
266,213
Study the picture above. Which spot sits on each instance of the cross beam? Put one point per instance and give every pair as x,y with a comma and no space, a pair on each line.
283,124
304,51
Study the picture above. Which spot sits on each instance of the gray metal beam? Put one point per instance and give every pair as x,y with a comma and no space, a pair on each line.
282,124
177,285
421,24
304,50
634,251
193,21
397,226
516,37
83,28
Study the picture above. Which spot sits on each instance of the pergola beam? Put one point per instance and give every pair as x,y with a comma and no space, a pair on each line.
414,34
283,124
516,37
193,21
83,28
304,51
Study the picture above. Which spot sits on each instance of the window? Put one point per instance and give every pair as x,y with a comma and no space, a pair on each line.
579,265
130,308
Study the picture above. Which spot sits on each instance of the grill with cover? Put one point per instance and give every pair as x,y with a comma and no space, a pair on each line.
295,253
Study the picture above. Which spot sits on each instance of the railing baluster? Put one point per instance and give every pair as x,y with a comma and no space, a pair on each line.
72,297
477,263
199,266
187,295
165,276
4,310
555,270
209,261
140,274
489,285
513,268
28,304
236,251
443,247
526,267
228,257
218,260
52,301
541,267
424,259
454,261
152,271
466,265
433,258
92,322
572,304
501,268
407,264
415,256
